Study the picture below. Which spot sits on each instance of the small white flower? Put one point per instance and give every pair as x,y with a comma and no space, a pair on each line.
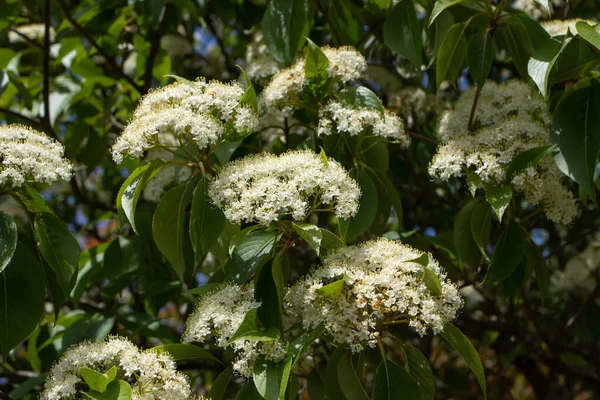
260,187
27,155
150,374
381,285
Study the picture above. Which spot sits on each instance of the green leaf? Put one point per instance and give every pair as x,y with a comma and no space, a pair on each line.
481,226
345,21
394,382
330,240
432,281
22,294
526,159
132,189
279,272
271,378
542,61
31,199
466,247
473,182
315,71
332,289
312,234
440,6
545,4
577,58
331,380
499,198
283,26
422,260
511,285
250,253
250,329
351,387
536,260
452,55
383,183
95,380
184,351
168,228
266,292
302,342
518,44
116,390
590,33
465,348
248,392
480,53
59,248
576,132
402,32
8,239
351,228
419,368
249,97
507,253
204,289
360,96
206,221
217,390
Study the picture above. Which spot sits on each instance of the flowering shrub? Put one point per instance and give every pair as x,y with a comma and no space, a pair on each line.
299,199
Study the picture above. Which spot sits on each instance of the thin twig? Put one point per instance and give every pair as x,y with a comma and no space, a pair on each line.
46,77
30,120
109,60
228,63
323,11
154,48
25,38
473,108
423,138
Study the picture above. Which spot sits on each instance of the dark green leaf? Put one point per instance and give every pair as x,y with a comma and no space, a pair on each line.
526,159
536,260
271,378
31,199
590,33
345,22
402,32
481,226
542,61
206,221
184,351
22,294
576,132
249,96
204,289
95,380
132,189
351,387
394,382
466,247
360,96
249,253
217,390
432,281
577,58
452,55
330,240
315,71
383,182
331,380
351,228
473,182
8,239
250,329
418,366
499,198
518,44
59,248
312,234
507,253
512,284
283,26
302,342
480,53
248,392
465,348
440,6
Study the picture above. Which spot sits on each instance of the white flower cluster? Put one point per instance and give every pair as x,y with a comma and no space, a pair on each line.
263,186
509,120
381,286
219,315
27,155
151,375
342,118
34,32
196,112
557,27
345,64
260,64
416,105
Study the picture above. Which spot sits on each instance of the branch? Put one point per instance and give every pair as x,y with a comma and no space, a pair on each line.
154,48
46,78
25,38
473,108
423,138
326,17
30,120
109,60
228,63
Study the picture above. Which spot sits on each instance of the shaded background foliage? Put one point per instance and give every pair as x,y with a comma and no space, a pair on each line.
82,84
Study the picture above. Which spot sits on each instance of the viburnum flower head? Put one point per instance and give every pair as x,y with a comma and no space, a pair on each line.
219,315
380,284
30,156
342,118
345,64
194,112
150,374
509,119
264,186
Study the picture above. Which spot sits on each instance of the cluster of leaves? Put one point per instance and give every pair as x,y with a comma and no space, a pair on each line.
142,281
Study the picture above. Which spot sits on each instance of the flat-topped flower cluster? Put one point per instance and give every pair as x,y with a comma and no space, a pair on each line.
219,314
194,112
28,155
382,284
151,375
262,187
509,119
